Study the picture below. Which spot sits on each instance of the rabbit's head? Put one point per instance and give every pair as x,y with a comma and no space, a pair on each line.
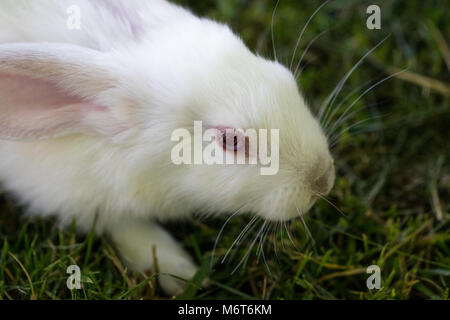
138,99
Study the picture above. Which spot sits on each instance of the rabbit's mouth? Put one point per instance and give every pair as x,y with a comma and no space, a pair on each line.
292,210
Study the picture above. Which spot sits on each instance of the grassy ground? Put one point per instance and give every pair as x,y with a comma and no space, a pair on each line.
393,184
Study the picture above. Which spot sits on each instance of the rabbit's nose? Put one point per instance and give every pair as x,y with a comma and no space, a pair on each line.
324,180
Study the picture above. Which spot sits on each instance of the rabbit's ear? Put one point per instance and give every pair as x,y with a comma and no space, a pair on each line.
49,90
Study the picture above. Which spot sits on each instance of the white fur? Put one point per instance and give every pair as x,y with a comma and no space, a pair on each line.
158,68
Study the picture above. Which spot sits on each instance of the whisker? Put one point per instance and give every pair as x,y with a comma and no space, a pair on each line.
281,235
350,134
331,98
250,248
220,233
363,94
304,53
337,136
271,30
262,252
238,238
345,99
331,203
305,225
351,114
259,246
258,250
303,30
249,232
276,227
301,70
289,236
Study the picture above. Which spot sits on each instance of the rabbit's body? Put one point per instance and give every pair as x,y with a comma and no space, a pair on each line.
133,73
104,24
82,177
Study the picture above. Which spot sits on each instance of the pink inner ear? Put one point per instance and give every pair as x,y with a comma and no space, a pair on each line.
34,109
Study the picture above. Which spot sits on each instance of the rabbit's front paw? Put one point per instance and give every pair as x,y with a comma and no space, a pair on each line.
174,277
137,241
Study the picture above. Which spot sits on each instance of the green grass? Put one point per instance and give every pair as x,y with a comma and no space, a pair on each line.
393,184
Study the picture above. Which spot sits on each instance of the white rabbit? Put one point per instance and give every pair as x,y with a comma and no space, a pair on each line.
87,116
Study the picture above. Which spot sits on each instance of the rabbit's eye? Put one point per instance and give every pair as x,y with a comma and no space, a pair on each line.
230,139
